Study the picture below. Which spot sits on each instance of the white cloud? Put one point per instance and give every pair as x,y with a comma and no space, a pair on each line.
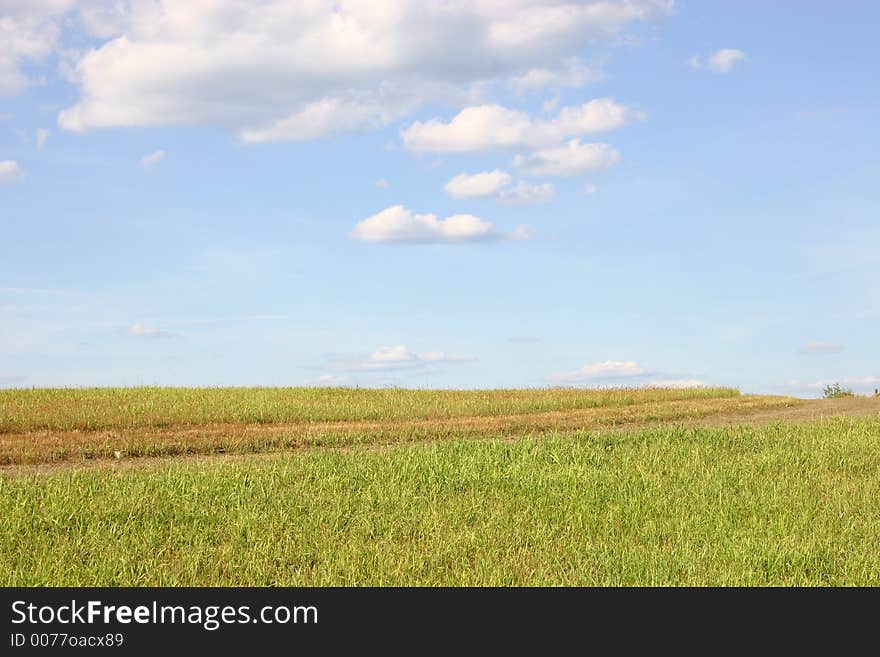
382,184
328,116
858,383
478,185
820,348
609,369
628,373
42,136
525,192
589,189
721,62
570,159
676,383
29,33
390,359
10,172
572,73
486,127
152,159
398,224
282,69
141,331
496,184
331,381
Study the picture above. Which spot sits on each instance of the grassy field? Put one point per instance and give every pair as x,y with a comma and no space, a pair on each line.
46,426
783,504
393,487
89,409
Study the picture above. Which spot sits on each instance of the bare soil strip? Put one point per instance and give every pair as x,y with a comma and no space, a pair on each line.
808,411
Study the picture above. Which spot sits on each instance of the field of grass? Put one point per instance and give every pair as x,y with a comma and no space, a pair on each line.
47,426
792,504
90,409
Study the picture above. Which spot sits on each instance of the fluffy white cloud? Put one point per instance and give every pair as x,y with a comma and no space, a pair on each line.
721,62
10,172
293,69
609,369
478,185
152,159
398,224
524,192
391,358
486,127
570,159
820,348
401,357
141,331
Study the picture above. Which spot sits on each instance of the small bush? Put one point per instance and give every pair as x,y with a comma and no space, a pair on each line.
834,390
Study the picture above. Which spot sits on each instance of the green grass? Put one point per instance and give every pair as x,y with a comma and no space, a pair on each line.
65,409
783,504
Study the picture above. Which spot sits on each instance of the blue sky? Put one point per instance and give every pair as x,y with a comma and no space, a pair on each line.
260,193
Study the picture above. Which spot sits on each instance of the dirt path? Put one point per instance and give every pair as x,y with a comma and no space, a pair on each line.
810,410
806,411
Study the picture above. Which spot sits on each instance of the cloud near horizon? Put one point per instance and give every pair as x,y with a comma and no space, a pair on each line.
392,359
859,383
609,369
617,372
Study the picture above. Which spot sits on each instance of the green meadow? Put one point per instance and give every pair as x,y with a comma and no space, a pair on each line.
778,504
